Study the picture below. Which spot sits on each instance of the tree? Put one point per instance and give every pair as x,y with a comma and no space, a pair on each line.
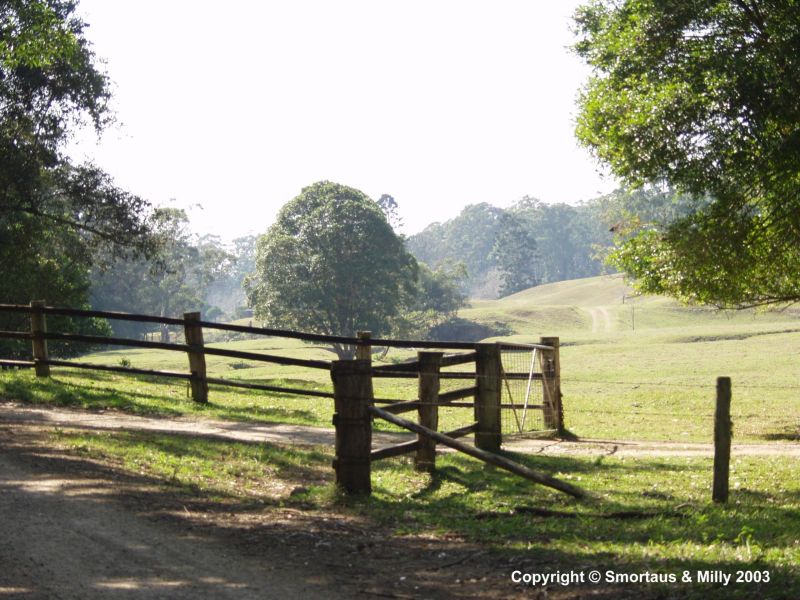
51,263
390,210
435,299
227,291
49,84
330,264
567,237
54,216
174,280
702,97
516,255
468,238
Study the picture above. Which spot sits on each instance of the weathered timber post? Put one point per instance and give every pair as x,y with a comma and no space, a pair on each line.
551,390
352,397
38,329
197,358
364,347
428,393
722,440
488,373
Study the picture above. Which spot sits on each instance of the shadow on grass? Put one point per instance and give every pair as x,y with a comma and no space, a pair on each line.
787,435
480,501
97,391
69,394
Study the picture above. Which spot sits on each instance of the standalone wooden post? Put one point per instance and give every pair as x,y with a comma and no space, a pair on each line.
38,328
488,373
197,358
429,365
722,440
364,347
551,390
352,396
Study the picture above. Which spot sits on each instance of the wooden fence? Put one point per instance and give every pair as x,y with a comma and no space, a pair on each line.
354,401
355,407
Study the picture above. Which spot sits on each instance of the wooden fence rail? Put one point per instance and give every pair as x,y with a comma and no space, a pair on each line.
354,399
284,333
412,446
194,348
352,382
16,335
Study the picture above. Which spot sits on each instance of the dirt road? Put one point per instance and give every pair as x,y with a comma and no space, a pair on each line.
64,538
313,436
75,528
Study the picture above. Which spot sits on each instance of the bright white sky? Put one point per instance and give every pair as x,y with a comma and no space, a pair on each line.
236,106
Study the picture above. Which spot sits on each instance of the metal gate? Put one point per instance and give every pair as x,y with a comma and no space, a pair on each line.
522,393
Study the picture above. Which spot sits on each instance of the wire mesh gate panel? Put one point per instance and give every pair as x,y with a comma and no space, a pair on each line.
521,400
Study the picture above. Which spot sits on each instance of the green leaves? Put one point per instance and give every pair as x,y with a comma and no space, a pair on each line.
702,96
330,264
34,36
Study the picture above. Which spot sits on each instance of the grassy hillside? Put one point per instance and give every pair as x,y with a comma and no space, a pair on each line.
604,305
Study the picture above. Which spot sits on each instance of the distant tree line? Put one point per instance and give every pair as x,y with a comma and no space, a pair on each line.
508,250
504,251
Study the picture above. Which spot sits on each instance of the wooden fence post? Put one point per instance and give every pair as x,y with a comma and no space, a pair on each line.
364,347
197,359
722,440
428,392
488,373
38,328
352,397
551,390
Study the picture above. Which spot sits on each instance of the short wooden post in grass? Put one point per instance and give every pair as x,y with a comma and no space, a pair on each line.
551,389
352,397
722,440
364,347
428,393
488,373
38,329
193,333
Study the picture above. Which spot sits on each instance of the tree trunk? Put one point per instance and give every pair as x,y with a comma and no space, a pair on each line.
345,351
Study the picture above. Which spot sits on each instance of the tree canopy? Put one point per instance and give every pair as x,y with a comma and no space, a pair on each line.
331,264
51,209
702,98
